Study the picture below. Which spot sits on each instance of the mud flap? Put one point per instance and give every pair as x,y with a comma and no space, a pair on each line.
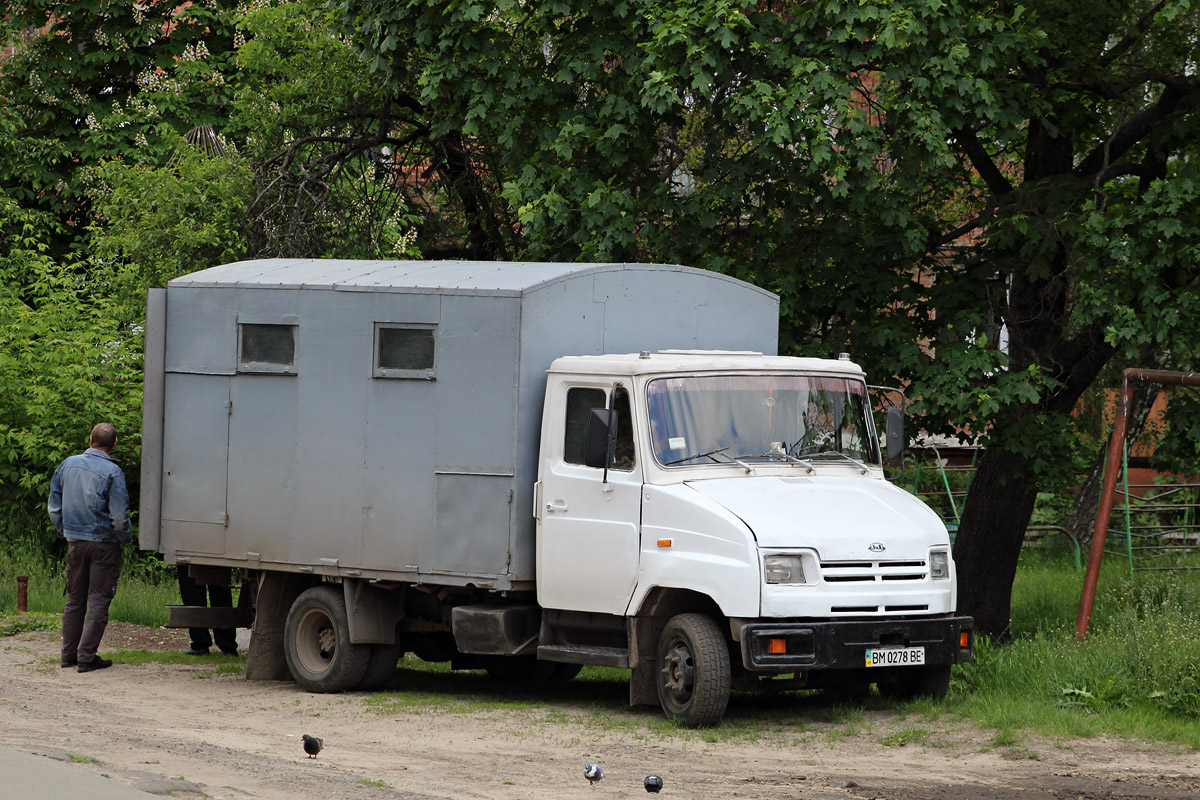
276,593
643,643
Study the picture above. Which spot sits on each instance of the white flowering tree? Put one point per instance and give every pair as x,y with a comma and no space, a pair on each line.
70,91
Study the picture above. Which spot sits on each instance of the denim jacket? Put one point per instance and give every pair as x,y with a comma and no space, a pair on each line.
88,499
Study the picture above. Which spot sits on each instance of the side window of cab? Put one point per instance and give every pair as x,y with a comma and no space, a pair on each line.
580,402
623,454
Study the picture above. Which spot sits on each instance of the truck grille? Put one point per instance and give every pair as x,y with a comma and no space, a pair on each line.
873,571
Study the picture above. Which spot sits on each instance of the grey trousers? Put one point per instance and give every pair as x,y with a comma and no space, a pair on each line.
92,572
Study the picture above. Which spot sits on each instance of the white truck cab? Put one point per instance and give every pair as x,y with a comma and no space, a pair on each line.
745,495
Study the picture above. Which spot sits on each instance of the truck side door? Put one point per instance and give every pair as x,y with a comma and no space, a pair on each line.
588,528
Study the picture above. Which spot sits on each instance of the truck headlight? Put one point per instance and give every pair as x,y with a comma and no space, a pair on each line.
939,565
783,569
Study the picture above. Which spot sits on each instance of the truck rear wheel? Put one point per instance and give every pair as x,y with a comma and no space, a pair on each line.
931,680
694,674
316,642
381,665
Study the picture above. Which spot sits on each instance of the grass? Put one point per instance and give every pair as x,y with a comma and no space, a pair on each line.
906,736
138,600
376,784
31,622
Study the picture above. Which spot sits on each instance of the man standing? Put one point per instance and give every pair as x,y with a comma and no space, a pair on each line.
199,594
89,506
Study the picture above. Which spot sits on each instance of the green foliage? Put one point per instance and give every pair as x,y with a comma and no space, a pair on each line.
836,156
66,363
70,91
11,626
157,223
331,148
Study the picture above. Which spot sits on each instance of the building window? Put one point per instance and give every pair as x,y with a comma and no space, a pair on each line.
267,348
405,351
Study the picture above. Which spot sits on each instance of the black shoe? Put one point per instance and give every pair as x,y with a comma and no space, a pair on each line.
69,662
229,651
95,663
196,651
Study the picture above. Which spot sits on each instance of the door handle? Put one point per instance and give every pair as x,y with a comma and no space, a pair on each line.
557,505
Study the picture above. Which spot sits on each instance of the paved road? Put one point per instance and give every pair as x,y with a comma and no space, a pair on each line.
45,777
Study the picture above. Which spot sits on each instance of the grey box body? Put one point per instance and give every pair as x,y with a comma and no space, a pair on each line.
331,470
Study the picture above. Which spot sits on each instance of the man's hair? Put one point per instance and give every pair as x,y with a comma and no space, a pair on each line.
103,436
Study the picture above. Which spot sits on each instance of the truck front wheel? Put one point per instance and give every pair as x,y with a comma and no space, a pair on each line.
694,674
316,642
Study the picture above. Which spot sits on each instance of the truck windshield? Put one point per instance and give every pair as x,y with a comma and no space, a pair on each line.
715,419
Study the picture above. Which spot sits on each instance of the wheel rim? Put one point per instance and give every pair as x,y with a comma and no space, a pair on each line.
316,642
678,674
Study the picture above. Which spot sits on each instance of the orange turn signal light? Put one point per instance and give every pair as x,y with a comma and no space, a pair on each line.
964,638
664,542
777,647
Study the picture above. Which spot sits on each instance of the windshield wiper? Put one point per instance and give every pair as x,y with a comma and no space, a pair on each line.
709,454
720,451
777,456
862,466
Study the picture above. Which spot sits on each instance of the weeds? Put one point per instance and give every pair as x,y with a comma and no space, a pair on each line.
905,737
11,626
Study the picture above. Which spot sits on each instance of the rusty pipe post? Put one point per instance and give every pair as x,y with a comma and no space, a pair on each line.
1096,554
1120,425
22,594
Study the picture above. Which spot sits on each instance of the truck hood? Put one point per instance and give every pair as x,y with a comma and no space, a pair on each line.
841,518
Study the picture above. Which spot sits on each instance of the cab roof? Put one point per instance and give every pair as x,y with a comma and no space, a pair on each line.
675,361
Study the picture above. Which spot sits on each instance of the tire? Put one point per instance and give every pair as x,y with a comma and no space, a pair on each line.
932,680
381,665
316,642
693,670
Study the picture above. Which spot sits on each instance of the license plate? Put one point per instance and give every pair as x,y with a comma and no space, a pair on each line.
896,657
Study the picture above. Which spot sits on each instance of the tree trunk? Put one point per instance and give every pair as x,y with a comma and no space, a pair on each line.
989,539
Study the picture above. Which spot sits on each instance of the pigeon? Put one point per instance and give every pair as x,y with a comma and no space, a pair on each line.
312,745
593,773
653,784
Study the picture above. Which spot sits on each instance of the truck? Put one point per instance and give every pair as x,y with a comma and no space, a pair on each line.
531,467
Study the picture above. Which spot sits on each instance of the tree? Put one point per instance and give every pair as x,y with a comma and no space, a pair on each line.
989,201
74,78
1078,122
66,362
152,224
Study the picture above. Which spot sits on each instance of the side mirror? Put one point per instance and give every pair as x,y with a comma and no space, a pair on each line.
895,433
600,439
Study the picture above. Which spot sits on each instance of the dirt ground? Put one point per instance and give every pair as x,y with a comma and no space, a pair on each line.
187,730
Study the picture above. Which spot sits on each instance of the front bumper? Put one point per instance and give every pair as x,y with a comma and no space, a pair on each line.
842,644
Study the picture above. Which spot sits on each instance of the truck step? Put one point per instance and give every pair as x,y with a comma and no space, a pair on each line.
585,654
